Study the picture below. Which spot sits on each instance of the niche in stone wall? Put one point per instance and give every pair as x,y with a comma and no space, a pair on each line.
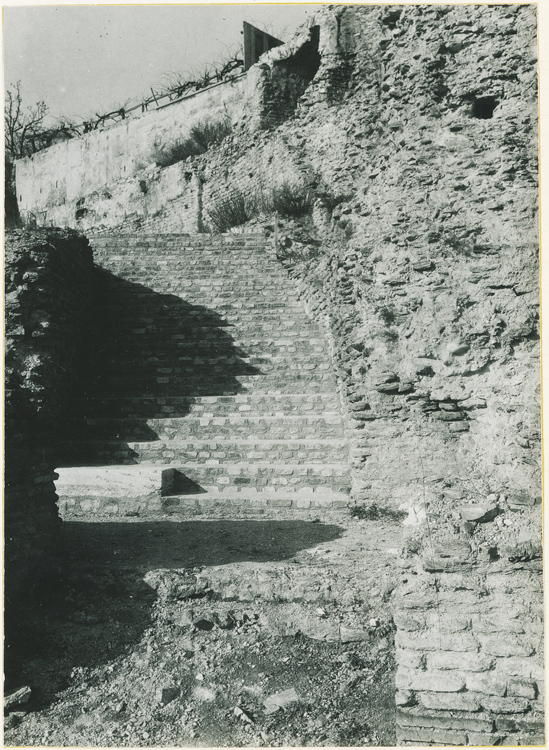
287,80
484,106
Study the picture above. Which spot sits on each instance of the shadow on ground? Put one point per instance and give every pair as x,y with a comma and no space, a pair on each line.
95,606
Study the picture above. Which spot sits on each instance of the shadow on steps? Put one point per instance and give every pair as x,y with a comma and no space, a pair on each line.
150,354
96,607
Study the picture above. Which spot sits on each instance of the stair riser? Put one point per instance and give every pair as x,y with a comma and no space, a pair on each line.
131,453
84,506
296,351
222,318
210,429
168,342
187,371
277,360
200,386
239,406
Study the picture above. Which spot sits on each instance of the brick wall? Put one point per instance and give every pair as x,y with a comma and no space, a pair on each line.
470,651
48,288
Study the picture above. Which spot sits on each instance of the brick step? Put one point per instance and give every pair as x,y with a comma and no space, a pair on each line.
181,404
230,406
198,384
236,347
224,406
159,292
198,238
157,424
252,259
258,328
201,334
178,363
120,287
258,279
128,315
218,268
93,505
153,366
222,452
179,246
137,310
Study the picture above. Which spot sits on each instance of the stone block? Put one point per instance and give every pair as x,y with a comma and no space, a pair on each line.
434,640
431,736
405,698
450,701
522,688
417,717
510,645
517,667
504,705
409,621
480,739
409,659
474,662
486,683
526,723
497,623
450,623
416,600
441,682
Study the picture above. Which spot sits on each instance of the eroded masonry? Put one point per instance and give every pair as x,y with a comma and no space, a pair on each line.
399,146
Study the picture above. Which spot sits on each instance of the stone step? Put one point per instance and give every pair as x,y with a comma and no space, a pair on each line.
215,452
163,480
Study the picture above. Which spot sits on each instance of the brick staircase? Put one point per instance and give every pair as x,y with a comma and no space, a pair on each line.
209,385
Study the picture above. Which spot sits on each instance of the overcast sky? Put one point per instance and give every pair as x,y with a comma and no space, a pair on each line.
86,59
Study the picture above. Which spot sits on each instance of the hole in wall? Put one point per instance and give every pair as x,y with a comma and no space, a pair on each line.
391,18
484,106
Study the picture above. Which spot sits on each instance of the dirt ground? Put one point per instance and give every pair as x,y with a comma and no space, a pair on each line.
269,629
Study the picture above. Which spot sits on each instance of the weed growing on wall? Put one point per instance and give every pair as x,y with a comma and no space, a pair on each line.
292,200
202,136
232,211
288,199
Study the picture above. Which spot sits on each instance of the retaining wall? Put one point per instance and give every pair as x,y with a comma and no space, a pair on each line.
51,182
